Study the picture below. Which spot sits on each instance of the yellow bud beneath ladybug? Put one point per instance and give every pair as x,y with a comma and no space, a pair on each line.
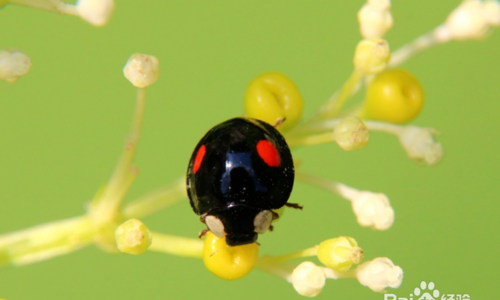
228,262
274,98
394,96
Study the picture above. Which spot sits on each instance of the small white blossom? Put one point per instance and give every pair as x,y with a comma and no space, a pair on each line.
420,144
13,64
308,279
491,10
375,18
373,209
379,274
472,19
142,70
96,12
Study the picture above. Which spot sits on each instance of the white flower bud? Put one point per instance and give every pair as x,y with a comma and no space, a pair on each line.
472,19
96,12
371,56
13,64
373,209
492,12
142,70
308,279
351,134
380,4
420,145
375,18
379,274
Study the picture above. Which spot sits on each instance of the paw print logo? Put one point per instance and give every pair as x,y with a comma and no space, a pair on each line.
426,289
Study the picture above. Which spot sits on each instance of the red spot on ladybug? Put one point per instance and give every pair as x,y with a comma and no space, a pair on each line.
199,158
268,153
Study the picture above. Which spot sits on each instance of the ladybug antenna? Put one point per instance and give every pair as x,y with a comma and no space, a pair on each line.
279,122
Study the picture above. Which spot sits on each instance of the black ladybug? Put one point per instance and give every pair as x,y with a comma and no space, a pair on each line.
239,171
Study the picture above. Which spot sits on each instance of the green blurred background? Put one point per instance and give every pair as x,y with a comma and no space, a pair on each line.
63,125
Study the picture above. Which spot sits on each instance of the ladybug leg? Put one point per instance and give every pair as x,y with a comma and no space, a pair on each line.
294,205
203,233
271,228
279,122
275,215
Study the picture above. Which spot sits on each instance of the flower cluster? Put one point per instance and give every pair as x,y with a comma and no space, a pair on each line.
393,97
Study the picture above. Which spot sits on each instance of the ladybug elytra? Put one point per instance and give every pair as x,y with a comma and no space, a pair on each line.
239,172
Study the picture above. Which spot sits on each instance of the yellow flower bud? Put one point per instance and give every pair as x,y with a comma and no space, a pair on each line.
273,97
228,262
394,96
340,253
133,237
351,134
371,56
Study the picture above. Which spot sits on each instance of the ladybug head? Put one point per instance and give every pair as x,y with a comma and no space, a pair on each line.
238,223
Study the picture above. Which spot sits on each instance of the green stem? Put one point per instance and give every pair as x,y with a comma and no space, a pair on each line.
338,188
124,174
156,201
56,6
318,181
329,125
175,245
309,140
333,106
47,240
344,94
414,47
310,252
280,270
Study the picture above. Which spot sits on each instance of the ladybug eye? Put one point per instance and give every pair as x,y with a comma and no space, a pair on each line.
215,225
262,221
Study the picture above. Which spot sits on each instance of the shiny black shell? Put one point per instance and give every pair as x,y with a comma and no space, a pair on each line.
229,178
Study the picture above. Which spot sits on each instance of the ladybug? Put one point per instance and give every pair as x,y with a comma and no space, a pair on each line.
238,173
